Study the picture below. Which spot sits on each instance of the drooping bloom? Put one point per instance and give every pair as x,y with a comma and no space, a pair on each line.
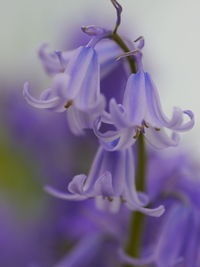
76,89
141,111
173,239
111,182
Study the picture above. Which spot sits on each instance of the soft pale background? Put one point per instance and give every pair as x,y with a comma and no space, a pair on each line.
170,28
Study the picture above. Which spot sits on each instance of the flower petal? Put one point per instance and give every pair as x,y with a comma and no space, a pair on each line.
56,193
159,139
103,186
51,103
77,183
134,99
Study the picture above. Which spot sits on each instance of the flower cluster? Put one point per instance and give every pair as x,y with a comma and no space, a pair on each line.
76,90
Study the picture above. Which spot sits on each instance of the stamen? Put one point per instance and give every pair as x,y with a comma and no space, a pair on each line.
118,8
69,104
146,124
137,134
157,129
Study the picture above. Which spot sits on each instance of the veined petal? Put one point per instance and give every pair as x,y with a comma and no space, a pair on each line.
50,61
79,69
51,103
135,202
77,184
66,196
134,100
181,127
154,212
155,116
103,186
60,86
118,115
115,140
159,139
90,88
95,170
79,120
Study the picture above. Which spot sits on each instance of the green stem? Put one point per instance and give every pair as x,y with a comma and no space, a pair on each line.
115,37
137,219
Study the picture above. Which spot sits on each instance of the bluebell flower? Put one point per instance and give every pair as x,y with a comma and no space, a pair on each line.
141,112
173,239
175,242
111,182
76,89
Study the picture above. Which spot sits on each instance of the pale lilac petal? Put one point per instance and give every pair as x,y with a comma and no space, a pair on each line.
159,139
76,120
115,204
77,183
115,140
79,120
50,61
154,212
118,115
134,201
185,126
155,116
134,99
90,92
103,186
95,170
66,196
51,103
79,68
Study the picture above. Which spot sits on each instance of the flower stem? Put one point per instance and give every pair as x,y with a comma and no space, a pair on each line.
137,219
115,37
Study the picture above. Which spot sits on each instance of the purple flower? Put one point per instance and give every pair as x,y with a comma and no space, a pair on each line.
173,239
175,242
111,182
141,112
77,88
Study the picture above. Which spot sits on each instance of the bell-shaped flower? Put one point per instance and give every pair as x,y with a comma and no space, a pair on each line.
177,241
141,112
111,182
76,89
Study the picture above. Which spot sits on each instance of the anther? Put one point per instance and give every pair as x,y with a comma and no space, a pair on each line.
69,104
157,129
146,124
137,134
